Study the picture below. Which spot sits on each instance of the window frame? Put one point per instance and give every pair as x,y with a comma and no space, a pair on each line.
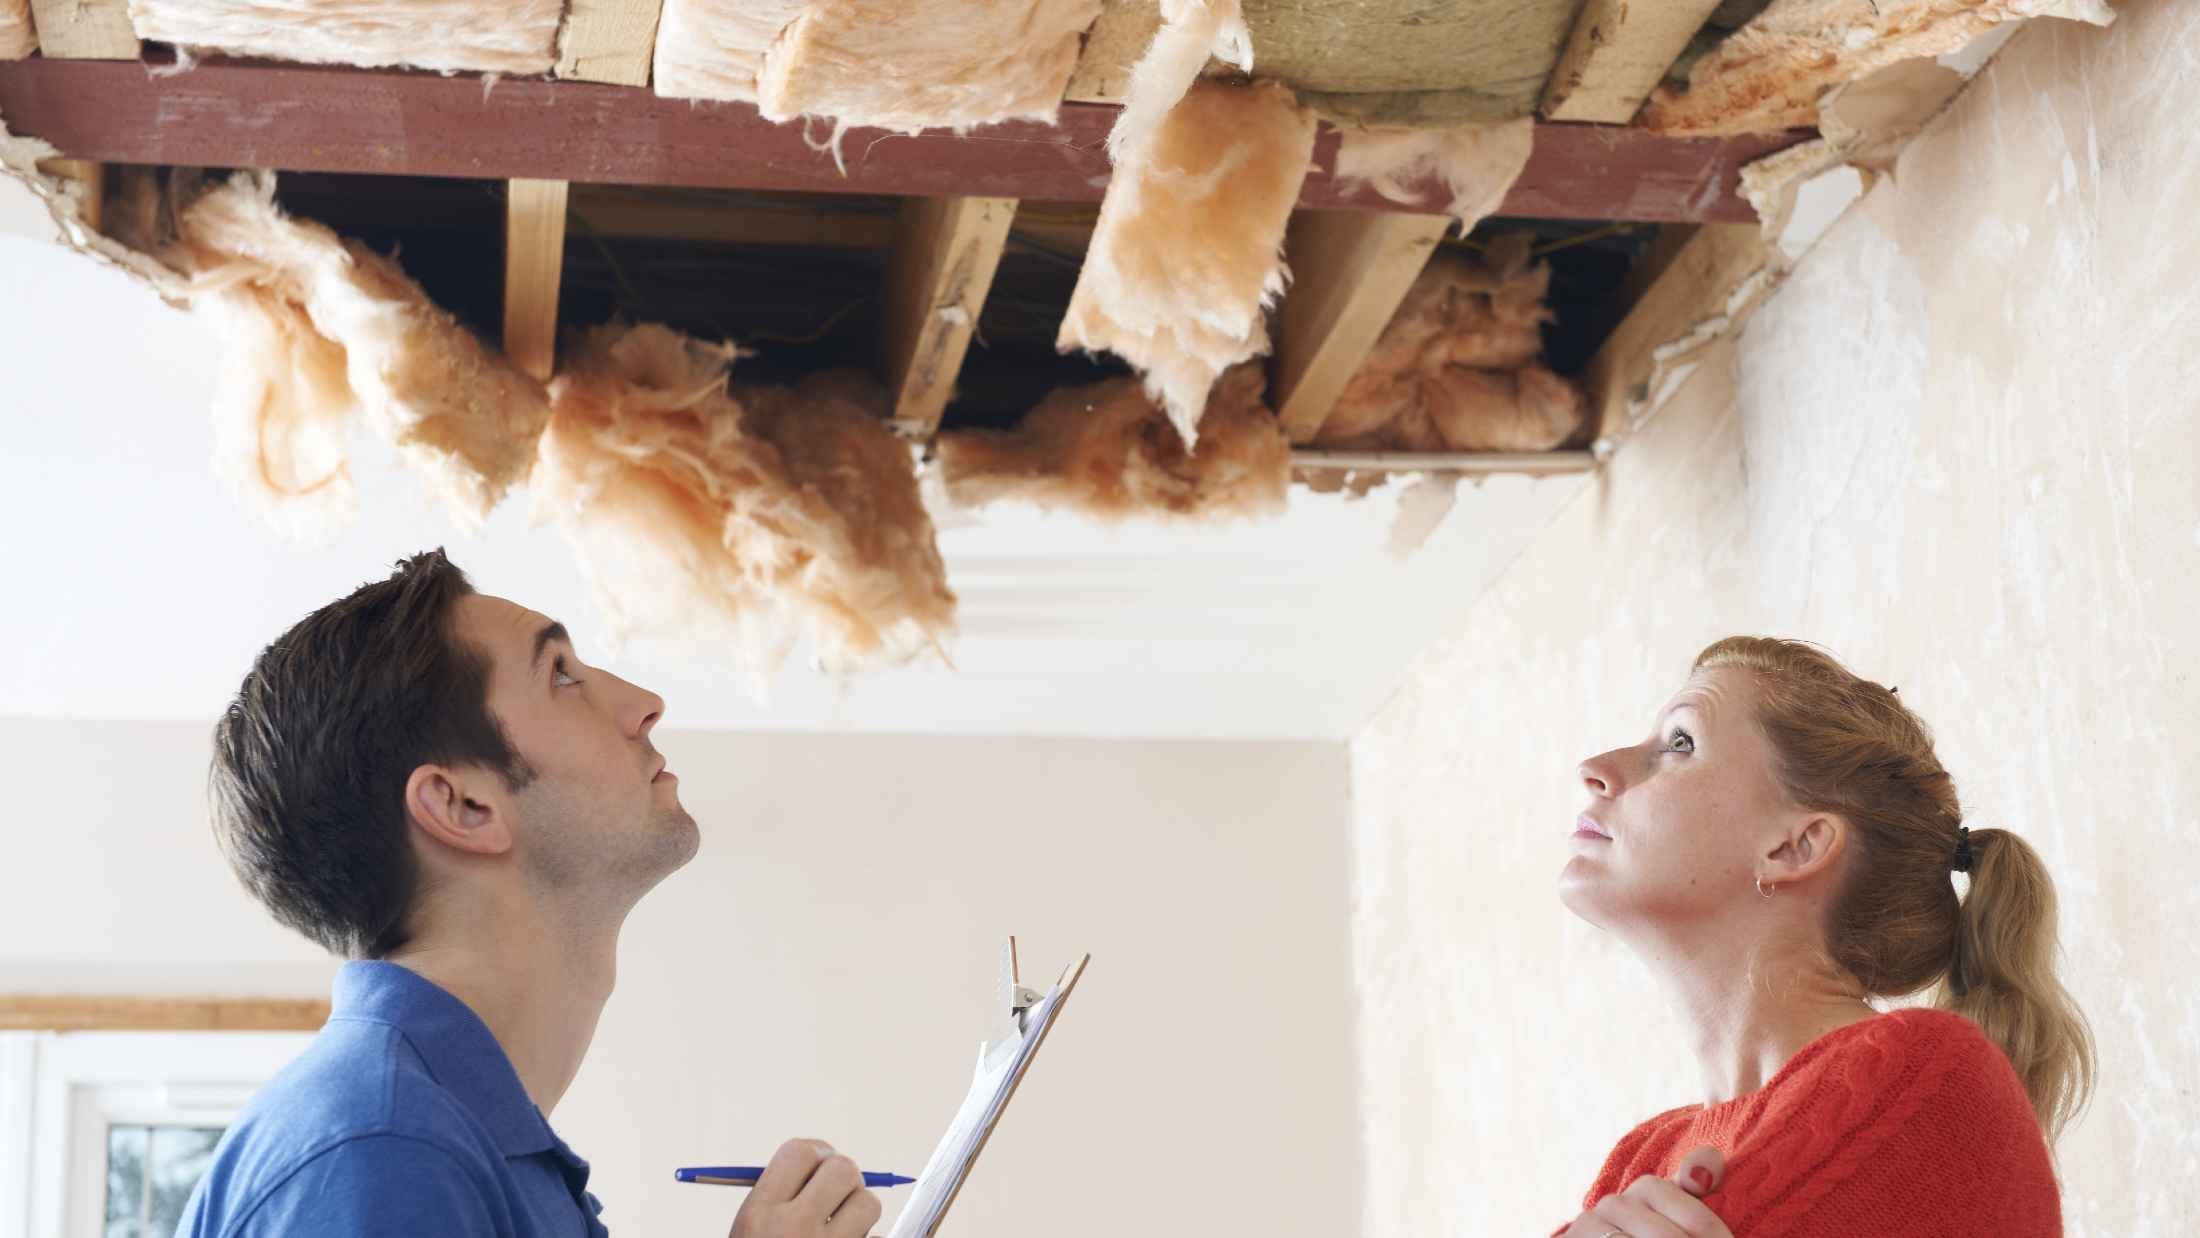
60,1091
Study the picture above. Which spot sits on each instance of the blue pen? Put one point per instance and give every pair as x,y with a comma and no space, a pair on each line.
746,1175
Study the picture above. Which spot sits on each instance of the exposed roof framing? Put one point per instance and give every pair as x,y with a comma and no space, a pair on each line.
224,113
1350,269
1618,52
85,29
534,263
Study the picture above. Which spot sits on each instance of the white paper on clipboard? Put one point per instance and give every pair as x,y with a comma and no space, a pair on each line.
1001,1066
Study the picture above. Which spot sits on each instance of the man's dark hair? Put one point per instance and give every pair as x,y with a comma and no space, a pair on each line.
310,761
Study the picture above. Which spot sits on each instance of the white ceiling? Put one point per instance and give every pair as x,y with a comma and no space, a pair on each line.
138,588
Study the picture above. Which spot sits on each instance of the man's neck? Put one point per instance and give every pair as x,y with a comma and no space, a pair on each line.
539,989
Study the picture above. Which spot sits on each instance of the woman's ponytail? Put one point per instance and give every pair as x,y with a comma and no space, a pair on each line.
2003,977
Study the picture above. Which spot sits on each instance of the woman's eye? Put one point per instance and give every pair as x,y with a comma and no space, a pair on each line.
1682,741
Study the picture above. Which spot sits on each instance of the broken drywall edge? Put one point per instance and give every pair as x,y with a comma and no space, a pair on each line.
1798,193
1773,73
1864,125
1675,361
64,201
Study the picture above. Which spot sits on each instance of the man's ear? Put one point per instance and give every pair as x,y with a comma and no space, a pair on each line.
462,808
1811,846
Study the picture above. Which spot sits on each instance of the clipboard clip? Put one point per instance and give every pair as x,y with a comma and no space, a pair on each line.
1019,998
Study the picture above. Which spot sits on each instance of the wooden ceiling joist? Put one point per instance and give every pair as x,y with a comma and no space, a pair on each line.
1472,463
1702,290
608,41
946,251
1617,54
534,265
85,29
91,178
1349,271
223,113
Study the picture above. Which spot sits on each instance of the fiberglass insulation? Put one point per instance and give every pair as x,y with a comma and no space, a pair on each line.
1186,257
17,38
321,329
510,36
714,49
1455,368
1105,450
907,66
744,516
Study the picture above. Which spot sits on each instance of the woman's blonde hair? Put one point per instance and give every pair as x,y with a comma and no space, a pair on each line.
1845,745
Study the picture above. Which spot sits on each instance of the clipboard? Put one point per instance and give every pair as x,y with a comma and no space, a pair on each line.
1001,1067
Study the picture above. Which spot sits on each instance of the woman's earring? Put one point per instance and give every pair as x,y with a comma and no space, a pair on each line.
1762,892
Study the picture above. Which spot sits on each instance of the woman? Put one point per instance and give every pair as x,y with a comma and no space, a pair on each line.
1782,851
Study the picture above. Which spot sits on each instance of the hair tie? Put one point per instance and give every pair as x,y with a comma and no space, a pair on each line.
1962,861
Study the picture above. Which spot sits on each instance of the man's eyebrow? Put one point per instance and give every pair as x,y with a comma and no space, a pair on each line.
551,631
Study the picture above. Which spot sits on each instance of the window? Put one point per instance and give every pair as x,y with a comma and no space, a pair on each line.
104,1134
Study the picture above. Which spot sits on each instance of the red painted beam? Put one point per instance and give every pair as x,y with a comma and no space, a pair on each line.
237,114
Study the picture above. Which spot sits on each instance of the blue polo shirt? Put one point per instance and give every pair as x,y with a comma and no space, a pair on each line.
402,1117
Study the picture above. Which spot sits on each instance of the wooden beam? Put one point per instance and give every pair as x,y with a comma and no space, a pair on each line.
1617,54
945,253
1706,291
314,118
92,178
84,29
689,215
36,1013
1524,463
608,41
534,262
1349,271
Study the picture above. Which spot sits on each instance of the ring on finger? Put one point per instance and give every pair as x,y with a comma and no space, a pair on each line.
1614,1233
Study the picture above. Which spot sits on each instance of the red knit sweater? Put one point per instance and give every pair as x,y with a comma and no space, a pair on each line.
1909,1123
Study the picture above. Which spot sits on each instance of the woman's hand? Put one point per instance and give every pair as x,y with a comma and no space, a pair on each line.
1660,1207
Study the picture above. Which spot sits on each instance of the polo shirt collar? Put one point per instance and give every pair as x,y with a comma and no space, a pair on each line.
461,1054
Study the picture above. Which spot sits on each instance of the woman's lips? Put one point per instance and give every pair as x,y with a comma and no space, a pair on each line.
1585,828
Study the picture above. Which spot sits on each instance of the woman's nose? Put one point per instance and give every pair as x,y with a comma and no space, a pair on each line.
1601,775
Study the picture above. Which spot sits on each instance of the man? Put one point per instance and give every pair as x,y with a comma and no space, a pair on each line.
431,783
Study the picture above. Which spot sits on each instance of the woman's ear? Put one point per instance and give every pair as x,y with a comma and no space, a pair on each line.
1810,847
459,808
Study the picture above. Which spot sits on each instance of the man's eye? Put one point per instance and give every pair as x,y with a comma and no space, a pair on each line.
560,676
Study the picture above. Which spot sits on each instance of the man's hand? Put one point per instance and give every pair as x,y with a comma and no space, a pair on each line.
1660,1207
808,1191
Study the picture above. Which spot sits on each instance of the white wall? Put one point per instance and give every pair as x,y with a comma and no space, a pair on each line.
826,966
1959,447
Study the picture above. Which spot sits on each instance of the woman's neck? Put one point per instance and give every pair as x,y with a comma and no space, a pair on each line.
1748,1013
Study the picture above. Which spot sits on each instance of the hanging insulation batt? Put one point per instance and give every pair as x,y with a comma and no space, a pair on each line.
745,516
1476,163
1104,450
511,36
320,329
17,38
1769,75
1454,368
714,49
907,66
1186,256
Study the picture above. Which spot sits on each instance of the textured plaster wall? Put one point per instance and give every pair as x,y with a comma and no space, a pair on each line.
1961,448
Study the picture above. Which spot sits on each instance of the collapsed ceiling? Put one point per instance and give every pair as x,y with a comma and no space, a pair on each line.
1056,236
